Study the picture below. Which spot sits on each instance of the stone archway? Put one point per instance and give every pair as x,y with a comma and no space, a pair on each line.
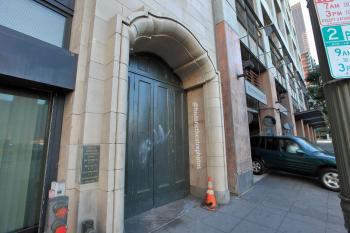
166,37
179,48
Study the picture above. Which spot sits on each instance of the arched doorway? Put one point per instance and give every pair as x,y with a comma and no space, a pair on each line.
157,144
145,32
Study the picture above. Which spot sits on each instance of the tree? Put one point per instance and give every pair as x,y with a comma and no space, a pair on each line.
316,90
317,97
314,77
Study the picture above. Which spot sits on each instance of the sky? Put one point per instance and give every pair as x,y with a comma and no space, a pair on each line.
308,26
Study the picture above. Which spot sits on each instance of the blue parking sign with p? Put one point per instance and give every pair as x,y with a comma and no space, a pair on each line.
332,34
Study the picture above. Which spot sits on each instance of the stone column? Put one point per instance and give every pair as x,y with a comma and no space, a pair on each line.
310,133
307,131
215,139
82,115
119,47
288,104
95,114
239,164
313,135
207,154
268,86
300,128
197,147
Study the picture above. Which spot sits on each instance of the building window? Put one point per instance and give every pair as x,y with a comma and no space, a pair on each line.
292,86
246,17
24,120
34,19
252,103
276,58
301,99
240,12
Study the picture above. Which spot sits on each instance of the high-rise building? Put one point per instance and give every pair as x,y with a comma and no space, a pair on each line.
300,28
302,37
307,62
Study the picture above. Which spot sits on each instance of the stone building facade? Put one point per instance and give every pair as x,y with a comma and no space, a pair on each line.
105,34
169,93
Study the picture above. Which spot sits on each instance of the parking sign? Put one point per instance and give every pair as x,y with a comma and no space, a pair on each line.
334,19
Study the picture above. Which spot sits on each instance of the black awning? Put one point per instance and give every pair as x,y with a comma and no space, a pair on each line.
316,125
29,61
314,118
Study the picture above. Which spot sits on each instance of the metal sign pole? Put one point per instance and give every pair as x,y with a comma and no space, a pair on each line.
337,92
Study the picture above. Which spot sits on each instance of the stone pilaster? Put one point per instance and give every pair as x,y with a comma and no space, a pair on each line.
300,128
313,134
268,86
239,168
215,138
307,131
288,104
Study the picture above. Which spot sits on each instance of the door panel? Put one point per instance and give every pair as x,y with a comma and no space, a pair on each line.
270,153
143,160
164,169
139,161
157,156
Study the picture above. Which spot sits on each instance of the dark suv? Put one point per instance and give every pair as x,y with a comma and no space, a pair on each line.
295,155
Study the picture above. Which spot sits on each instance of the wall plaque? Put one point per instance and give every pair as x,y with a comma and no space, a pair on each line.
90,164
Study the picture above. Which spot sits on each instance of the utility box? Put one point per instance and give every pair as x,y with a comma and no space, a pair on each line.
56,216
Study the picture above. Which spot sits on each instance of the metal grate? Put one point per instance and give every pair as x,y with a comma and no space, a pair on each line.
252,77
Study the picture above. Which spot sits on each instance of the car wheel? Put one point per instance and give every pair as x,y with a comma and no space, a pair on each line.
258,167
330,179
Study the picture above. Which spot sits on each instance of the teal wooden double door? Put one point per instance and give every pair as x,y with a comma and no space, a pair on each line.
157,142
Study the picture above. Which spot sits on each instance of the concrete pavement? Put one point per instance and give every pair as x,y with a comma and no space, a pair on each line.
279,203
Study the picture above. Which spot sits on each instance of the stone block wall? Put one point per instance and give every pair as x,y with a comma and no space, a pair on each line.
96,112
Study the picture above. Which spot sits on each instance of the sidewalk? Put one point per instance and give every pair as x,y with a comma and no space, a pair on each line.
277,204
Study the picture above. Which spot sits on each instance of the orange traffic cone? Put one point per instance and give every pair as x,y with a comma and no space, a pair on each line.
210,200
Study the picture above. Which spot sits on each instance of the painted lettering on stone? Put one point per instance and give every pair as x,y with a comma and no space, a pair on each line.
197,143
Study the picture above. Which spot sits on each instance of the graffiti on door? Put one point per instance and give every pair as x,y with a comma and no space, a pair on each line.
160,137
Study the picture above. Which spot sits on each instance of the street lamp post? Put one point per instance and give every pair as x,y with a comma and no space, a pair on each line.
337,92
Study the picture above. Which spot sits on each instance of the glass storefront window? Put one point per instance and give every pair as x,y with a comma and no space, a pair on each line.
23,142
33,19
